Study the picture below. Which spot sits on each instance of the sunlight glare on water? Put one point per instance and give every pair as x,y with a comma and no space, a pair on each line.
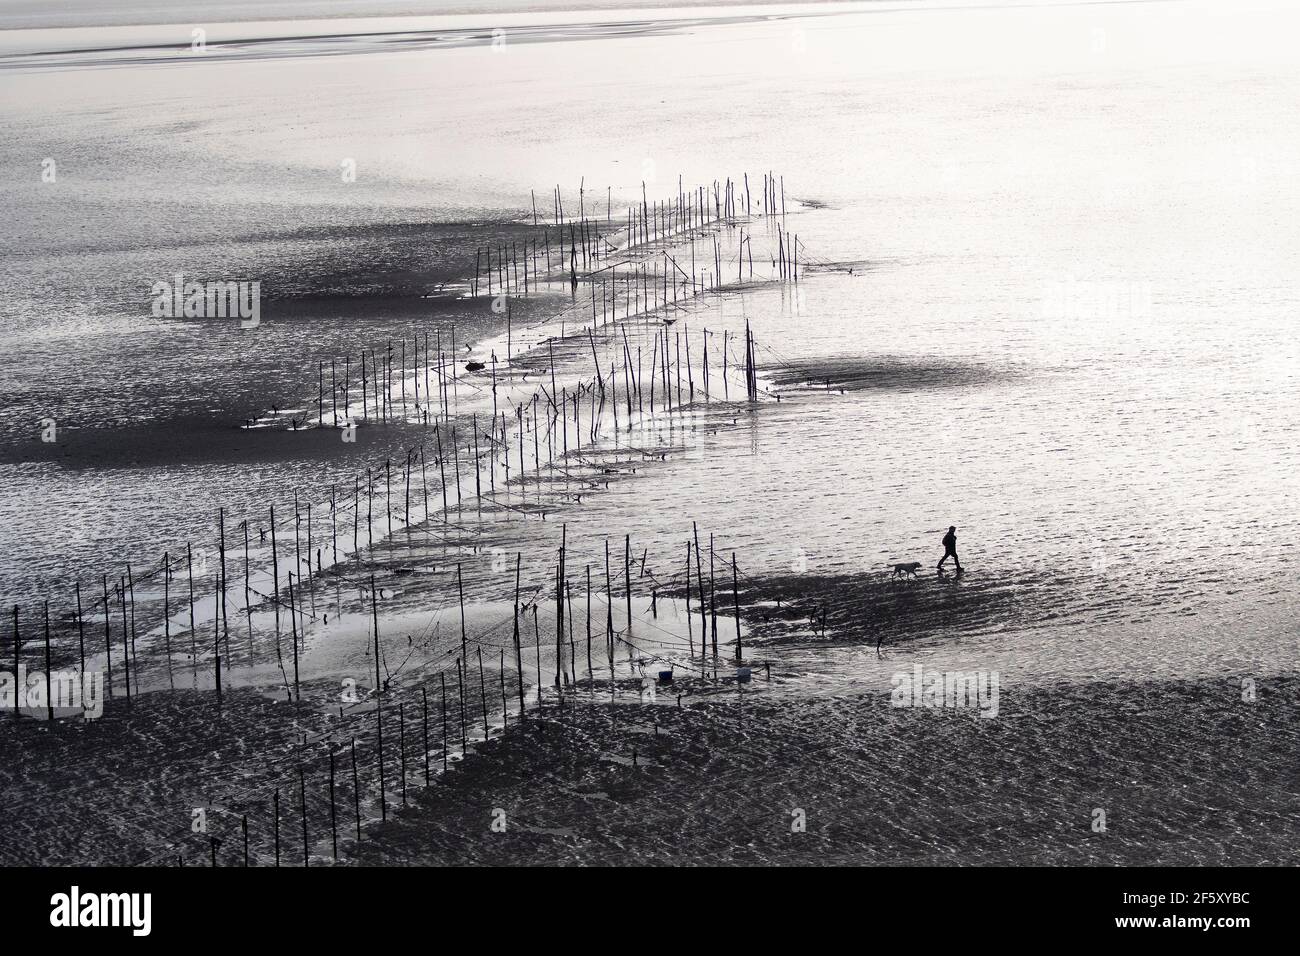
1067,328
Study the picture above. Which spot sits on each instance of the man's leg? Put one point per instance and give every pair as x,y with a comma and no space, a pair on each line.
956,560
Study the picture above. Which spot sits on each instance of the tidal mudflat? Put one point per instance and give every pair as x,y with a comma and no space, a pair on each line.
569,372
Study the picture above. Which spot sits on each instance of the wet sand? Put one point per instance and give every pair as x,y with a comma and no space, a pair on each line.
1185,771
172,447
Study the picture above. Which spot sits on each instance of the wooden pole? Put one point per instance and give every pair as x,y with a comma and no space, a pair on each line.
130,590
573,650
126,634
609,615
248,601
81,638
460,590
690,635
519,663
482,689
49,697
379,700
293,623
699,577
108,644
713,598
460,694
559,609
275,579
735,592
221,528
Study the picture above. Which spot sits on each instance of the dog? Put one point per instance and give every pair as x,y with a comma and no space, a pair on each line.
910,567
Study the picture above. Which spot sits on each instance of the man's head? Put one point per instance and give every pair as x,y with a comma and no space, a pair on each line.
952,528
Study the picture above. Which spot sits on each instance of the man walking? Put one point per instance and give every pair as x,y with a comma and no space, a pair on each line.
950,548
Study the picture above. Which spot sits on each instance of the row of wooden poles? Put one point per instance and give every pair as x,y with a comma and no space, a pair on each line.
708,609
700,207
497,266
602,390
435,367
599,397
645,287
689,209
430,369
662,362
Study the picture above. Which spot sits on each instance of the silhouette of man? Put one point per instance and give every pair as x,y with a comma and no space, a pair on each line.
950,548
